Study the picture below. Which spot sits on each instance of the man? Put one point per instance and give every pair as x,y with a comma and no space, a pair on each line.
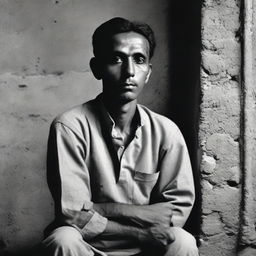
120,174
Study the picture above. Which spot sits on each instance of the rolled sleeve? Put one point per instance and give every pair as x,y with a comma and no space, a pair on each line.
95,226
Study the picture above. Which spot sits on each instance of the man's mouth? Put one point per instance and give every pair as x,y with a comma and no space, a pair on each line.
128,85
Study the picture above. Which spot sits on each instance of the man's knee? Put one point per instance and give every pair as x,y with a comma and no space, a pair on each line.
184,244
66,241
63,236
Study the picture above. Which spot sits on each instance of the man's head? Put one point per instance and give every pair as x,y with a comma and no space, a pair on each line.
105,31
122,50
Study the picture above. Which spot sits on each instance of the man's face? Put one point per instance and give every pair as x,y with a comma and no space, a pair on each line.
126,68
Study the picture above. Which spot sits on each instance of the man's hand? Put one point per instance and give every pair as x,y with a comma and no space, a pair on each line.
156,220
154,215
157,235
149,223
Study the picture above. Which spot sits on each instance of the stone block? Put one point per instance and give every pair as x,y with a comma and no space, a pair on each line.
208,164
223,148
212,224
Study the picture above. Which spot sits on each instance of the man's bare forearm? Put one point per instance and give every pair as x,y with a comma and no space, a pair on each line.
144,223
139,215
115,229
118,211
158,235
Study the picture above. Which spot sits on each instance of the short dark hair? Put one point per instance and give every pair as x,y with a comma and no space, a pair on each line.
120,25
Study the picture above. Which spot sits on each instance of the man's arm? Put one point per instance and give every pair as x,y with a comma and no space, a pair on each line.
175,183
159,235
139,215
69,182
144,223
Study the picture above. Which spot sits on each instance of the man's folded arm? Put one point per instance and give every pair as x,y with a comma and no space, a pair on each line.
138,215
69,182
176,183
173,196
159,235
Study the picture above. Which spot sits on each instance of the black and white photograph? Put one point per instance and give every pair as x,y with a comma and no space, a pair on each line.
128,128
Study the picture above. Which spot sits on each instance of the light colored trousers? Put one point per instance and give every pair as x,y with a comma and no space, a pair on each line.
67,241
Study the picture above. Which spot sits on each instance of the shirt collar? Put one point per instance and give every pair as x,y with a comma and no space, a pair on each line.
109,120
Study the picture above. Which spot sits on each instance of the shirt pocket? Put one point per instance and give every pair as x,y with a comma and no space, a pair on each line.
143,185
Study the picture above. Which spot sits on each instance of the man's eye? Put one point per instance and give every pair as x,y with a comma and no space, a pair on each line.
116,59
139,59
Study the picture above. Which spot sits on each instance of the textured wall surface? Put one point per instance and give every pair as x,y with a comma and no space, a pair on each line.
220,127
45,48
227,128
247,239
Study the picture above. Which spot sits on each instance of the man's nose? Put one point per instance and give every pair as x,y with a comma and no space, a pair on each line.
129,68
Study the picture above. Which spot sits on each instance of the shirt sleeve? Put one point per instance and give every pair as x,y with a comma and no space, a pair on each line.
176,183
69,182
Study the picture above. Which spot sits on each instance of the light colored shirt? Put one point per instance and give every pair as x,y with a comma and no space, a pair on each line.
85,166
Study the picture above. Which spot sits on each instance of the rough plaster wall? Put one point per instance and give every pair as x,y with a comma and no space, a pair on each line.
219,131
248,214
45,48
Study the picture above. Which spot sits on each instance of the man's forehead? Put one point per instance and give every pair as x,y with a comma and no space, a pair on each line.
130,41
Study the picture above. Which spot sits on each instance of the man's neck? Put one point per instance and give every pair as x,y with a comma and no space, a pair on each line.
122,113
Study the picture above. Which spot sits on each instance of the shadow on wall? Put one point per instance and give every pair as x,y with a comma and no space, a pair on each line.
185,45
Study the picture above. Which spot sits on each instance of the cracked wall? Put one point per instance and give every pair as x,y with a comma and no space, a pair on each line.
247,239
44,70
227,128
219,132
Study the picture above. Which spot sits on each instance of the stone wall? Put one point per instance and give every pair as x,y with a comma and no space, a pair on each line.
226,130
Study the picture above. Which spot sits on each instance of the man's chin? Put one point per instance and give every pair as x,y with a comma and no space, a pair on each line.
127,97
122,98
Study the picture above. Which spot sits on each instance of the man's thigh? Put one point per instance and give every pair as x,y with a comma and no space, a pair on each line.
67,241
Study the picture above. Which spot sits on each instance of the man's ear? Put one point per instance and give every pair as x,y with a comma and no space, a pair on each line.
149,73
96,68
